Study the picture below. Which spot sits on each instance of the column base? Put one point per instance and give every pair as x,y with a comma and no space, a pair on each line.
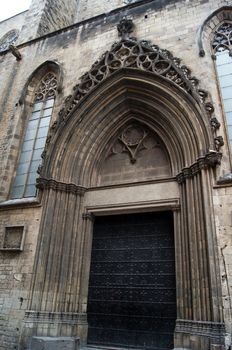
54,343
53,331
199,335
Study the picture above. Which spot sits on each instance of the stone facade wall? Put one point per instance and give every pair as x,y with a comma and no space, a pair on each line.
173,26
47,16
15,274
222,200
15,22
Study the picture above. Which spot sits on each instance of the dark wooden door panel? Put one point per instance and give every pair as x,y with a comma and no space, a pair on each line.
132,296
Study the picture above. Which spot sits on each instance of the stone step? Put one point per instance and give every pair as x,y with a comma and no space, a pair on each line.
97,347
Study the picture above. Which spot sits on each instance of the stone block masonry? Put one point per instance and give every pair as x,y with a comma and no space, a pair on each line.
172,25
53,343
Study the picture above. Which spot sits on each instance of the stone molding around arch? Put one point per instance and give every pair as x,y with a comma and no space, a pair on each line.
35,77
138,55
104,102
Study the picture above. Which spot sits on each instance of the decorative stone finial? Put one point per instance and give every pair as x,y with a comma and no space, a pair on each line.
125,27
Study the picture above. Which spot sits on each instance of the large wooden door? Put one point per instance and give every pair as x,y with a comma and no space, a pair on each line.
132,295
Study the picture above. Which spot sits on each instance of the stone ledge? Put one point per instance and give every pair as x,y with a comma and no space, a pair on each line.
45,317
54,343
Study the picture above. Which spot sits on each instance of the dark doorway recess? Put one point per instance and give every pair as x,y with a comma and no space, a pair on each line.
132,294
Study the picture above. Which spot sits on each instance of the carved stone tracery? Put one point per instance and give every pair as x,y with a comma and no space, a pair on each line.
198,261
138,54
47,88
133,139
136,153
222,40
142,55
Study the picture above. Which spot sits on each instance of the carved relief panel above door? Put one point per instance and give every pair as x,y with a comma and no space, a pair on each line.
135,154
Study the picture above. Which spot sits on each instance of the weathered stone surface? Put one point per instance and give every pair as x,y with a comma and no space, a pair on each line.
54,343
173,25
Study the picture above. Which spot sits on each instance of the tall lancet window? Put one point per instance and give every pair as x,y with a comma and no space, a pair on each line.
222,46
35,138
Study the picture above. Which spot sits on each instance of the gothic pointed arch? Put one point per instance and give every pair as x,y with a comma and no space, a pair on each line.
32,81
37,102
133,89
215,40
209,26
141,59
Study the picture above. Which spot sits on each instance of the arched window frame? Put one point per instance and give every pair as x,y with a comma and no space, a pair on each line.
35,92
221,46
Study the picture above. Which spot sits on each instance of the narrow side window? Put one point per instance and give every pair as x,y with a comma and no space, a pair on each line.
222,50
34,138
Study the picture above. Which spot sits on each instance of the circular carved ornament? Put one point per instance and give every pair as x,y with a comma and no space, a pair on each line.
8,39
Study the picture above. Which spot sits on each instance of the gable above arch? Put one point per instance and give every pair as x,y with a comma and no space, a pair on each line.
129,65
135,54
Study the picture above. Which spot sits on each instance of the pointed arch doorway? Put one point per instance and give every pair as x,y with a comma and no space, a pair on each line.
132,289
75,185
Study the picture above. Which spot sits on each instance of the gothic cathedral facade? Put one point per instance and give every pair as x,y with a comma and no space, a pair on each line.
116,175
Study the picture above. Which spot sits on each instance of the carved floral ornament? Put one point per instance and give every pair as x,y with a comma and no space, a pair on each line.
138,54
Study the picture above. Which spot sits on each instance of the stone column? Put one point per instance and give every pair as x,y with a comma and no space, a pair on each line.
54,301
199,324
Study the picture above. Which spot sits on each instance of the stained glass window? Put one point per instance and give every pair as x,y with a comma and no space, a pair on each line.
35,138
222,46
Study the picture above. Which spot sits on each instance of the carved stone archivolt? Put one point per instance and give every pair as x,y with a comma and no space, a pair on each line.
142,55
136,54
119,119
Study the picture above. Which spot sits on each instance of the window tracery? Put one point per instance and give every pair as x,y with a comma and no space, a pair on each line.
222,40
47,88
8,39
222,49
35,138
